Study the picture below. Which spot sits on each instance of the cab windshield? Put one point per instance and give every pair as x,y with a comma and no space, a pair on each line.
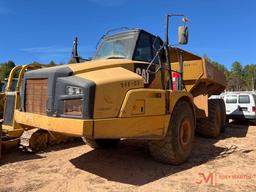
119,46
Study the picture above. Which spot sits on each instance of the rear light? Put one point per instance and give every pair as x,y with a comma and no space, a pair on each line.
73,107
254,108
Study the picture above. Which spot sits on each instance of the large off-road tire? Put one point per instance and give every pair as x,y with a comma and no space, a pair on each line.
210,126
176,147
227,120
101,143
223,115
39,140
0,141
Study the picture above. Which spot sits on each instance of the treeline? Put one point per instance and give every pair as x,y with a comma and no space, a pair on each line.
240,78
6,67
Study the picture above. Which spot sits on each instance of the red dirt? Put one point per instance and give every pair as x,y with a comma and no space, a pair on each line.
223,164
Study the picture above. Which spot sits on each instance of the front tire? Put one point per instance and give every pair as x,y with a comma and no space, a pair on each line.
176,147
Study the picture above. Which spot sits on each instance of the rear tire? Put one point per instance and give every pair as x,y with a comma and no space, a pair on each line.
210,126
0,141
101,143
176,147
227,120
223,115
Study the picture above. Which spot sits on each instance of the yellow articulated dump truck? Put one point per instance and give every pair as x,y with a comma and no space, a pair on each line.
135,87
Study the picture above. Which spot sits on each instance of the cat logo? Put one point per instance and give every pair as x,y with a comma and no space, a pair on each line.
141,69
143,73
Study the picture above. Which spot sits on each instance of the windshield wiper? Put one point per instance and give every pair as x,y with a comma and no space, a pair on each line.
115,57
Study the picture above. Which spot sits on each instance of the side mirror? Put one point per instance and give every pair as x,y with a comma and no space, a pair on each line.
183,35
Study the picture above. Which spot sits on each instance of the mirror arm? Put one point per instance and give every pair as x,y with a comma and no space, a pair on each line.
162,74
168,63
169,69
167,54
181,83
154,58
167,30
159,68
168,16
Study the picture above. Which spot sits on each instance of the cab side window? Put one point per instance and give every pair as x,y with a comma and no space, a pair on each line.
244,99
231,99
143,51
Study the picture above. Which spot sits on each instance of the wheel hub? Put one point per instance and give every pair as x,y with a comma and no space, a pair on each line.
185,133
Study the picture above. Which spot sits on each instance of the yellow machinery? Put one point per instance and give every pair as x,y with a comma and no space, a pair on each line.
13,133
128,90
12,97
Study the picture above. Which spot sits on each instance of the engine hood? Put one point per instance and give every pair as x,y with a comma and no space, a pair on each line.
77,68
101,64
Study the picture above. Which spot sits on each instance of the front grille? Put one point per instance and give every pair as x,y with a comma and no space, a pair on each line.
36,94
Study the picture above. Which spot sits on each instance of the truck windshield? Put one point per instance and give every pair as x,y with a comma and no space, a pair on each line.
117,46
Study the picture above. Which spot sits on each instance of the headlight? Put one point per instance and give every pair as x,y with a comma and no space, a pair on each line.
71,90
73,107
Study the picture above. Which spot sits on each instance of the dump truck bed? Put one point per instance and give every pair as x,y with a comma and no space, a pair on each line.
200,76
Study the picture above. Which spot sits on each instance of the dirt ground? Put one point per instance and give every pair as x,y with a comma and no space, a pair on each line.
223,164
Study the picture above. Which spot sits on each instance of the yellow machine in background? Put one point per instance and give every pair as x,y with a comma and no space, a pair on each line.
128,90
13,98
12,133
